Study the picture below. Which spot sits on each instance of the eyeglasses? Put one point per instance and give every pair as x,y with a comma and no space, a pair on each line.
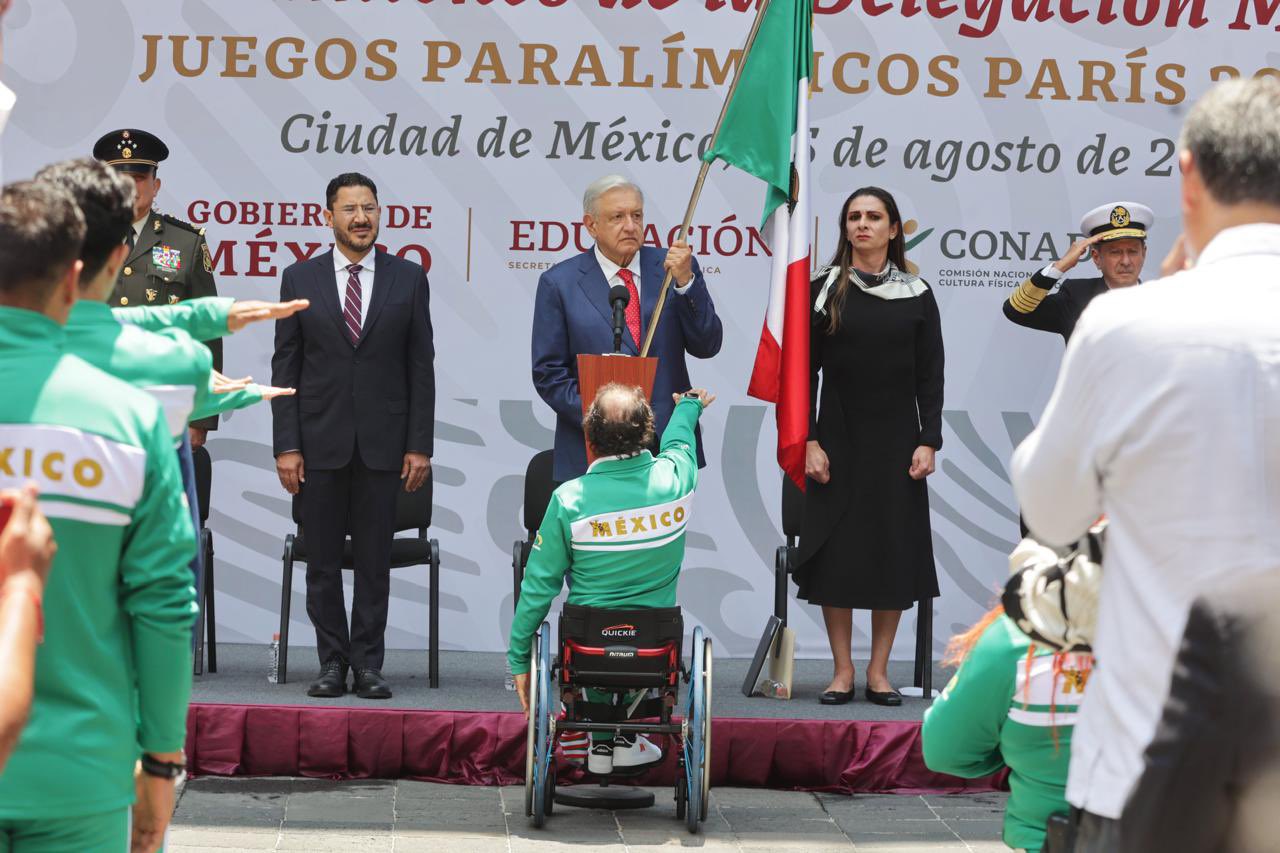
350,210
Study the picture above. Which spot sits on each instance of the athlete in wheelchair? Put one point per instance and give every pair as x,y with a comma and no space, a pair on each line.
613,674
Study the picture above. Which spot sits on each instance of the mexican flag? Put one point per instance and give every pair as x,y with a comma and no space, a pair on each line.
765,132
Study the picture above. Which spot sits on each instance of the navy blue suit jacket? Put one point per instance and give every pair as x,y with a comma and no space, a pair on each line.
571,315
380,394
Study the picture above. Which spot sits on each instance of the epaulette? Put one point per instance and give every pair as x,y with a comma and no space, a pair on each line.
186,226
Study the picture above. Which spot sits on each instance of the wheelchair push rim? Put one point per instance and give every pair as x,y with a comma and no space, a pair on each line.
531,729
694,747
542,721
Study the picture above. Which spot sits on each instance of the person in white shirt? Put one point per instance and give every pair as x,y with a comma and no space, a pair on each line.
1166,418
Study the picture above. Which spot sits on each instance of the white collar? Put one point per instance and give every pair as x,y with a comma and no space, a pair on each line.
1258,238
614,458
610,269
340,262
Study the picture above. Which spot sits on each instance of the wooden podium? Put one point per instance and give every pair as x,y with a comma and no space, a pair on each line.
597,370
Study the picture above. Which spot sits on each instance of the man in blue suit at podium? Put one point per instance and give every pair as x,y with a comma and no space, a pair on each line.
572,314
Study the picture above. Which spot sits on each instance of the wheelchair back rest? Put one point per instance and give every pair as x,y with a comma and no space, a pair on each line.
632,648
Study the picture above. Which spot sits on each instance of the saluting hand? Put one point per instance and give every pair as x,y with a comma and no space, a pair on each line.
1077,251
225,384
679,262
1177,260
244,312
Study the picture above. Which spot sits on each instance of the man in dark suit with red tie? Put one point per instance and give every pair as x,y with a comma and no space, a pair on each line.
360,427
572,315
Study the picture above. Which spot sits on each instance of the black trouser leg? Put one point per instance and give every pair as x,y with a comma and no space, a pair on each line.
325,500
373,525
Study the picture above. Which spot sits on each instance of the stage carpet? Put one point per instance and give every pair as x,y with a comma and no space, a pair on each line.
464,733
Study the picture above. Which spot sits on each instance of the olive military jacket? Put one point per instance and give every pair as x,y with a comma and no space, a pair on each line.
169,262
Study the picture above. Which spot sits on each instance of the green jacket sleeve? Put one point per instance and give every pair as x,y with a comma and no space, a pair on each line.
158,598
543,579
961,734
203,319
679,444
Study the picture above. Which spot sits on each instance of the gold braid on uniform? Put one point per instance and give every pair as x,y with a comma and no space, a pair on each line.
1027,297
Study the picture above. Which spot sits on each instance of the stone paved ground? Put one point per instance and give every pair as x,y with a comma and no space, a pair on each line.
219,815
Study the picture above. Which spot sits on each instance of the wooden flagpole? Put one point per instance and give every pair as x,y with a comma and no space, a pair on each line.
702,175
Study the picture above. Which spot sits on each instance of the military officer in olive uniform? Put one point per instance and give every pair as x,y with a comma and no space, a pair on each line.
169,259
1116,238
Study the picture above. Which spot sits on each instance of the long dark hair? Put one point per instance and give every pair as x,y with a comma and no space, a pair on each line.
843,258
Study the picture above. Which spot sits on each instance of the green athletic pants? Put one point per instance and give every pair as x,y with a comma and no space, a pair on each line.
99,833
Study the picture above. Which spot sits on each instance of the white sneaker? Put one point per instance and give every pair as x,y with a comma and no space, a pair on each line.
600,759
634,751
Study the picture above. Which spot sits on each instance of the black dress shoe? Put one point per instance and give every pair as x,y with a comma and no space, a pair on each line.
332,681
371,685
890,698
836,697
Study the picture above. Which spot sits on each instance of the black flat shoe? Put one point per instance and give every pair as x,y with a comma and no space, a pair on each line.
890,698
371,685
836,697
332,681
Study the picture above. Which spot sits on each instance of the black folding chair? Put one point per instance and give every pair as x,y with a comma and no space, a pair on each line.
413,512
538,486
786,559
204,595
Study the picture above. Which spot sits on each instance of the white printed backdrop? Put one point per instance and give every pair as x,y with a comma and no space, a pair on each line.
254,96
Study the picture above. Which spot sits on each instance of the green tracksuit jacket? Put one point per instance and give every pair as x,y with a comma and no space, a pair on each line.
618,529
1003,709
113,675
167,363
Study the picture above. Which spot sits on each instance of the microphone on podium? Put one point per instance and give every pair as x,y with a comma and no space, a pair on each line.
619,296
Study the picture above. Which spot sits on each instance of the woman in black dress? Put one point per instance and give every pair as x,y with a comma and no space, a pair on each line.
877,341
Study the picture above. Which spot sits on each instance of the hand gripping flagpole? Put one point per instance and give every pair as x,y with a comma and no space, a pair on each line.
702,175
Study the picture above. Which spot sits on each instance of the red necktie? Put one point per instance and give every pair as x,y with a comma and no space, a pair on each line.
633,307
351,308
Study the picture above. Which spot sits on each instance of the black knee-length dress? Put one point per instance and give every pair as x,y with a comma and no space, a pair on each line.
866,542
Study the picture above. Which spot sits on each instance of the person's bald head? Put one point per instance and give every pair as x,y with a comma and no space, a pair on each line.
619,421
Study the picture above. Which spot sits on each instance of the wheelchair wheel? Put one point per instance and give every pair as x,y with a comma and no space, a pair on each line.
695,728
706,728
543,723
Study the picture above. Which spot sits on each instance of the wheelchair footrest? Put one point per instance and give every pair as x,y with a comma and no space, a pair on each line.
604,797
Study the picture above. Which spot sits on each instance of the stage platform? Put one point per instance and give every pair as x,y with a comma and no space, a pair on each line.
470,731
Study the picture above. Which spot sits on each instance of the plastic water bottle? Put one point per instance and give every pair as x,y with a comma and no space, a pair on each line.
774,689
273,656
510,681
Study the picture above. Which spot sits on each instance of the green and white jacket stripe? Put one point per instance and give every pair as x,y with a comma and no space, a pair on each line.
113,675
619,530
1004,710
170,364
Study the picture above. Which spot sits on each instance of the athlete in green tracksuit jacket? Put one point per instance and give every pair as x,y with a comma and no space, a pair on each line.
168,363
113,675
1003,709
618,529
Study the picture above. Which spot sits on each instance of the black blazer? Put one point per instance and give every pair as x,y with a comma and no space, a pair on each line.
381,394
1058,312
1212,776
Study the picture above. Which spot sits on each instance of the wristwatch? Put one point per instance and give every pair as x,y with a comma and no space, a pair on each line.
162,769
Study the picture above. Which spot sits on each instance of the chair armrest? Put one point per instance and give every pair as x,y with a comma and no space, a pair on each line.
288,546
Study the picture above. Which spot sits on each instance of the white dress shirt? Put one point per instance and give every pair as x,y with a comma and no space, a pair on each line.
7,101
611,276
1166,417
340,264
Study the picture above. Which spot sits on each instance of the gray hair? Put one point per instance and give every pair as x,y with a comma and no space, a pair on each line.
600,186
1233,133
